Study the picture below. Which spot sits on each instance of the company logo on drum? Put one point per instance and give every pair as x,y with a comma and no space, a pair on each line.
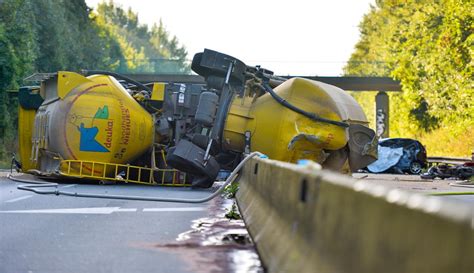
95,132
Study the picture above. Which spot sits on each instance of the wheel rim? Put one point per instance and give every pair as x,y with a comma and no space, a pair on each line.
415,168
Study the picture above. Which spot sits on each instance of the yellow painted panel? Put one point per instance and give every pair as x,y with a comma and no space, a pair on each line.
26,120
158,92
67,81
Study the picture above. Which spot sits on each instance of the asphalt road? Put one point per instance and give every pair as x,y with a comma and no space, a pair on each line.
48,233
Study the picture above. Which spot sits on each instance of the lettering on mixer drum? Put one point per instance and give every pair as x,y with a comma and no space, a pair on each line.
125,123
109,132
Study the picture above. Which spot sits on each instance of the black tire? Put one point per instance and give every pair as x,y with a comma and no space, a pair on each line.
415,167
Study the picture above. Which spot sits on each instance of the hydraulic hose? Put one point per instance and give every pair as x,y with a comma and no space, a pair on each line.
37,185
221,116
118,76
309,115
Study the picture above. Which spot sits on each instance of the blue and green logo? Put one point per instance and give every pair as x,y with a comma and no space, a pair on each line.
88,141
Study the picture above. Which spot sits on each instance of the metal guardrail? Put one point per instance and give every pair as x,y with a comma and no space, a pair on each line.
303,219
434,160
344,82
351,83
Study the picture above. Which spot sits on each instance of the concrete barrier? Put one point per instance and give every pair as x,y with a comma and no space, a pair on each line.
306,220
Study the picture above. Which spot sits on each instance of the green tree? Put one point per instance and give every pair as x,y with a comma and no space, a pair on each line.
145,50
428,46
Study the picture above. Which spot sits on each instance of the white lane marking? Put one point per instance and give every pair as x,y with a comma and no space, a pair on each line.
173,209
69,186
100,210
126,210
18,198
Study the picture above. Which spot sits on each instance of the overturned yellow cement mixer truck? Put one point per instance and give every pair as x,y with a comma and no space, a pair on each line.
104,126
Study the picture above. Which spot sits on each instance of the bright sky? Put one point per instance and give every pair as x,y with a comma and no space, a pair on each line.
298,37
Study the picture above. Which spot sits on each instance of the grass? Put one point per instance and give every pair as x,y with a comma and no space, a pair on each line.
233,213
445,142
230,190
5,164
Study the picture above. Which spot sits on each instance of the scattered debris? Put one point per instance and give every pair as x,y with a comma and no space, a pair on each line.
362,177
445,171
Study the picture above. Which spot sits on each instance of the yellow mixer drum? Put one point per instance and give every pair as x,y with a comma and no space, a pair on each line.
285,135
95,119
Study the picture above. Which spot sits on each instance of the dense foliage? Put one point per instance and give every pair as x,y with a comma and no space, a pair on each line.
429,47
144,49
52,35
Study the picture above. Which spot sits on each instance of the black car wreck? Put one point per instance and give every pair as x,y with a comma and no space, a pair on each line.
399,155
